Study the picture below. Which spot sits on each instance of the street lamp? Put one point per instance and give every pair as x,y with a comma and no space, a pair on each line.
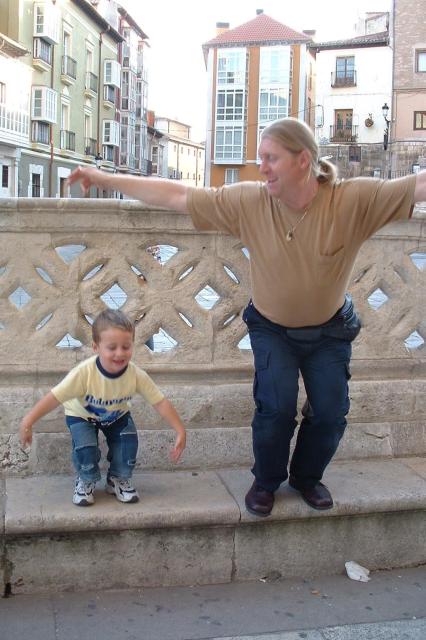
385,111
98,161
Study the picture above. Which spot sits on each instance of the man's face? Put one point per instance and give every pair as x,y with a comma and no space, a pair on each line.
280,167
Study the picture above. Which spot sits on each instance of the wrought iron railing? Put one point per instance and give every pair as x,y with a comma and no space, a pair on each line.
69,67
347,79
91,82
67,140
343,133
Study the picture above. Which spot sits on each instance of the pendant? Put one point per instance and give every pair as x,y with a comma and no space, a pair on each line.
289,235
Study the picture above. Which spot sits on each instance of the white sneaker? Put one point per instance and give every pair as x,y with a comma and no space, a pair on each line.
83,493
123,489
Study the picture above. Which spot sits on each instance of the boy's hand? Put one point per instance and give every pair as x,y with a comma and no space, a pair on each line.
25,434
177,450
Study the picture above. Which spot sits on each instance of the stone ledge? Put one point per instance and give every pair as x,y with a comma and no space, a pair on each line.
193,529
42,504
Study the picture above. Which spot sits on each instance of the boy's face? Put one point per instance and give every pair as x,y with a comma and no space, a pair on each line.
115,348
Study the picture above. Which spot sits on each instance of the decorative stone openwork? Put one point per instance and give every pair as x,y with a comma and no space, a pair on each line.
57,272
207,297
377,298
115,297
19,297
414,341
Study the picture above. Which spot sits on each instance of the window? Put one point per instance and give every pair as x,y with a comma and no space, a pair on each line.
35,185
419,120
421,60
40,132
231,66
230,104
42,50
111,133
274,65
89,59
229,144
345,68
5,176
112,73
2,93
44,104
345,74
232,175
46,21
354,153
273,104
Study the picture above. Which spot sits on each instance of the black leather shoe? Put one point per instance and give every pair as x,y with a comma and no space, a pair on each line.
317,497
259,502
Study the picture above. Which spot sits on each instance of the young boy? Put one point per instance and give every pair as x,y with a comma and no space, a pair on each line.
96,395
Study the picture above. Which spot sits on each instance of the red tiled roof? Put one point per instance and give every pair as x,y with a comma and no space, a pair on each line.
257,31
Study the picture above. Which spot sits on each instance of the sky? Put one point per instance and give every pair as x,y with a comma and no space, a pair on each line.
176,30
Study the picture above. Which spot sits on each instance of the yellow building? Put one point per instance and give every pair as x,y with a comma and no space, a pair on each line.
257,72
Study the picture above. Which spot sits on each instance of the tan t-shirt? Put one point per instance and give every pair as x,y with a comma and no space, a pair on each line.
302,282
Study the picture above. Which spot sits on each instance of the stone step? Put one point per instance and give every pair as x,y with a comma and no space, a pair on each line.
387,418
192,528
211,447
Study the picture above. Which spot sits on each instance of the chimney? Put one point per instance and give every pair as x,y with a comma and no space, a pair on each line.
221,27
259,12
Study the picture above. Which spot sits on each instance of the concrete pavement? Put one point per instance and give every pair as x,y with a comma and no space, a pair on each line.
392,606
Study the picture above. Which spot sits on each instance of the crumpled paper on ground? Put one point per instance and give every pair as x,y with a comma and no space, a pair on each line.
356,572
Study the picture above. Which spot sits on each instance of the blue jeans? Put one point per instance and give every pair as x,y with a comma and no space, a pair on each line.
122,441
323,361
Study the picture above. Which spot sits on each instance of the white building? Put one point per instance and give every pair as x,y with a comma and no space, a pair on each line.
353,82
14,112
185,158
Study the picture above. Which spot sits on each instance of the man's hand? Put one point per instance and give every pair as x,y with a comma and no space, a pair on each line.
87,176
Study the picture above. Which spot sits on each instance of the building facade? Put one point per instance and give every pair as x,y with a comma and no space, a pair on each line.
257,72
353,84
184,158
407,117
14,112
75,76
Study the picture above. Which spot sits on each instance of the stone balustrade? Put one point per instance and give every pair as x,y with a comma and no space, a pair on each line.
63,261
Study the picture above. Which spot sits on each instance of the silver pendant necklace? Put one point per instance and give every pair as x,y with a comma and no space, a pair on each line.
290,232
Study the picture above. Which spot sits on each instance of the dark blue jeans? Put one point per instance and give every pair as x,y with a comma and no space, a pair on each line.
122,441
322,359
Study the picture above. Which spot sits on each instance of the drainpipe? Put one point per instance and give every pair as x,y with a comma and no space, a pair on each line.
51,127
51,124
98,133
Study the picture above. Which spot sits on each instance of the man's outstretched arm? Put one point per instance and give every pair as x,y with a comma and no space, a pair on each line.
160,192
420,188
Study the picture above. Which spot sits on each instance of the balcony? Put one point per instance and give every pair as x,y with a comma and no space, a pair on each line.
40,132
345,134
343,80
90,147
109,96
67,140
68,70
42,54
91,86
108,153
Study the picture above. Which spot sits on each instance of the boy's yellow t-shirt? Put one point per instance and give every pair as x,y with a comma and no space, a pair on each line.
90,392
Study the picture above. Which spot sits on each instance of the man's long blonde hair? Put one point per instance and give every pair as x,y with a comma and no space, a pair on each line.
296,136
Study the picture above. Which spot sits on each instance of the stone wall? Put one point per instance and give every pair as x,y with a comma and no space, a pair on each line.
47,303
397,161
